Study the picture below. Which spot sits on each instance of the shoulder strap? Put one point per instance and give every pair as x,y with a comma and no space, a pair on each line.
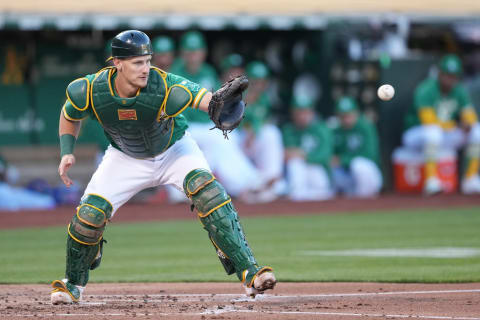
162,73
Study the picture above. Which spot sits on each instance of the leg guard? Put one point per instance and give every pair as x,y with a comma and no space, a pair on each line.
220,219
85,241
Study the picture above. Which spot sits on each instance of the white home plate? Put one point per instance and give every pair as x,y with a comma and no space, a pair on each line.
447,252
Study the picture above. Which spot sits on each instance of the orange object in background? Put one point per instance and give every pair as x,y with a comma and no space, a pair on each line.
409,171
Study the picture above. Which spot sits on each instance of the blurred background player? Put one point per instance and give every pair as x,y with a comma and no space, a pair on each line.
163,57
308,150
192,64
163,52
260,139
232,66
355,161
225,157
442,116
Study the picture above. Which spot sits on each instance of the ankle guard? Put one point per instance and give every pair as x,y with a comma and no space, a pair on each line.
85,238
219,218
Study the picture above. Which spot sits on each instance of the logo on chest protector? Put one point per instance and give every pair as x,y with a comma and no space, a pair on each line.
127,114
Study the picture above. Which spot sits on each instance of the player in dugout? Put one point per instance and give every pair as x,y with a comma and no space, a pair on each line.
442,116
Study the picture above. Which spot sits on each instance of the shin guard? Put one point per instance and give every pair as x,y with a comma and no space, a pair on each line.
219,218
85,238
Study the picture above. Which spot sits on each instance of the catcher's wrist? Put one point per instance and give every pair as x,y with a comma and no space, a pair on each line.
67,144
205,102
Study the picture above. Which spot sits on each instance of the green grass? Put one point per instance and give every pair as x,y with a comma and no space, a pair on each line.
181,251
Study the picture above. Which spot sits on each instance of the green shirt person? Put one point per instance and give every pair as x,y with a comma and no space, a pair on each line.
163,52
220,153
442,117
192,65
355,161
233,65
259,105
139,108
308,150
260,138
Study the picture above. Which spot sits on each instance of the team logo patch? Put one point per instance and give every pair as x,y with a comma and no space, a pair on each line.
127,114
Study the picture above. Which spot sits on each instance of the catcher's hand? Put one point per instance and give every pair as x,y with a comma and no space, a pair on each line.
226,108
66,163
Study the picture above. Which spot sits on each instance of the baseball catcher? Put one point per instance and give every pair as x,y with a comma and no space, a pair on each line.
140,109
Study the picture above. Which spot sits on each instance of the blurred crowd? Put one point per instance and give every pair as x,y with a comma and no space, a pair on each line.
303,159
307,158
302,156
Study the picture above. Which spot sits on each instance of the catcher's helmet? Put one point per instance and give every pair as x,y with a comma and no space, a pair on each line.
131,43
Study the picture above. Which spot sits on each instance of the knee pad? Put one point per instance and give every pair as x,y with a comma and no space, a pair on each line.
206,193
85,241
89,222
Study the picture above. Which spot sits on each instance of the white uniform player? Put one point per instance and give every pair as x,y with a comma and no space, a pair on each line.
355,168
139,108
442,116
225,158
308,150
261,139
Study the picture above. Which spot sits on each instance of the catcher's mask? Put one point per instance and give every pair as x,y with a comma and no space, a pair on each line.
131,43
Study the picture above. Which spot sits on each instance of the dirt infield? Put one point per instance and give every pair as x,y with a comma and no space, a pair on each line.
163,211
346,301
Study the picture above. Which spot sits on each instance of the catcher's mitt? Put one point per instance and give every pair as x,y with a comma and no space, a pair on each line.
226,108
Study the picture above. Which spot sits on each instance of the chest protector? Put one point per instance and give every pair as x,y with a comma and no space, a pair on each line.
135,124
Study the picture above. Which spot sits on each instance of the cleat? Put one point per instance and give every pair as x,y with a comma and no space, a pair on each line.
263,280
432,186
471,185
65,293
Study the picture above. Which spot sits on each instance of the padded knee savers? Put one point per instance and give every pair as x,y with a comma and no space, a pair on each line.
206,193
219,218
88,224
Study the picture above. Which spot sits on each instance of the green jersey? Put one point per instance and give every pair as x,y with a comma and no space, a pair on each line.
359,141
257,113
142,126
446,107
206,76
315,140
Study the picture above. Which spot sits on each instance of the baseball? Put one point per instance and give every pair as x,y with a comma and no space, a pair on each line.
386,92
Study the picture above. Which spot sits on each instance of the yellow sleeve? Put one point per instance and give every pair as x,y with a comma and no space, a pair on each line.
427,116
198,98
448,125
468,116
